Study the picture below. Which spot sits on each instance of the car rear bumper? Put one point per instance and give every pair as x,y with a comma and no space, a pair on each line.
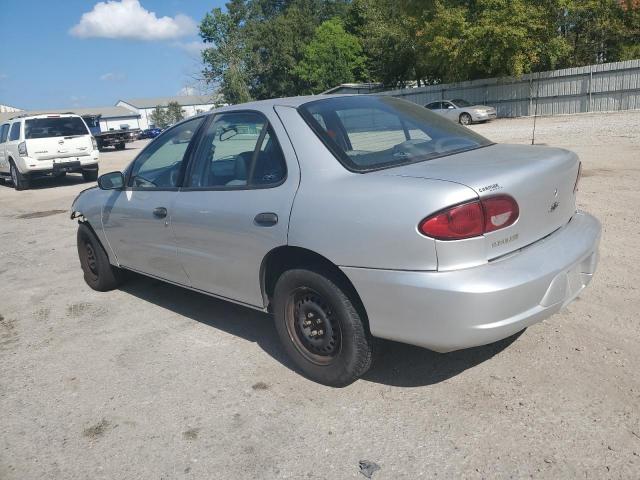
446,311
28,165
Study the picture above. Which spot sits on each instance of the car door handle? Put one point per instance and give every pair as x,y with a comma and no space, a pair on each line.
160,212
266,219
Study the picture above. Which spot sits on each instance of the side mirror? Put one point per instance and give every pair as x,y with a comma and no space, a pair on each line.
111,181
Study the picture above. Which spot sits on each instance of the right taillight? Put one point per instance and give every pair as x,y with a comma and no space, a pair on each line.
471,219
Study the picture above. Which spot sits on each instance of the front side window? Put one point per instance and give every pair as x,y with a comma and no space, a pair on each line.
4,132
15,132
238,150
160,164
372,132
54,127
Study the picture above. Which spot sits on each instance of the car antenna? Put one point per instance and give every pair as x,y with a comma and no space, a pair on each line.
535,112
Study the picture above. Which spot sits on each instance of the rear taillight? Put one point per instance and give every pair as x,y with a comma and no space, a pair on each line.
22,149
575,186
94,143
471,219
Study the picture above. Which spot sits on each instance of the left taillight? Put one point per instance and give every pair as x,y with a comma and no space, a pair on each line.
471,219
22,149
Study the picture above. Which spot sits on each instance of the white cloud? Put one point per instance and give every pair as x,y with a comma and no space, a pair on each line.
128,19
3,76
112,76
192,48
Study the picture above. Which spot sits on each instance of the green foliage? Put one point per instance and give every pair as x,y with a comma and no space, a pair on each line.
159,117
174,112
333,56
273,48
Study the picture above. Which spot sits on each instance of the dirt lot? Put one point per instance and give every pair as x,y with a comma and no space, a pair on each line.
152,381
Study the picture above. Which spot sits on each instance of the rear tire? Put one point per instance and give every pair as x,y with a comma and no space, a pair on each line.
321,328
98,272
465,119
120,146
90,175
19,180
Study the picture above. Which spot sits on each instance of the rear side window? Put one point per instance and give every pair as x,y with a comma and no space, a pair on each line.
15,132
54,127
238,150
371,132
433,106
4,132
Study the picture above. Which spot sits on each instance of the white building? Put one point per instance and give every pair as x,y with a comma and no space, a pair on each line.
191,105
8,109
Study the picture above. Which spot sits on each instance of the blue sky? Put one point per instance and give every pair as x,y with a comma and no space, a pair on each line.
54,57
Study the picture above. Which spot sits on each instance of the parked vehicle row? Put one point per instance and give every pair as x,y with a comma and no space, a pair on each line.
149,133
41,145
348,218
461,111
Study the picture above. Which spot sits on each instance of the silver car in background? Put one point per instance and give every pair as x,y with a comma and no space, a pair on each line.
461,111
348,218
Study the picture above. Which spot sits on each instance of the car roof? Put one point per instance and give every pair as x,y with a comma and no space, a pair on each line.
41,115
275,102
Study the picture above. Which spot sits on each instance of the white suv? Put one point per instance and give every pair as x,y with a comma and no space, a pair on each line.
40,145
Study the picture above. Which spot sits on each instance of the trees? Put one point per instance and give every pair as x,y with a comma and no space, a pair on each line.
163,116
174,112
226,60
333,56
272,48
159,117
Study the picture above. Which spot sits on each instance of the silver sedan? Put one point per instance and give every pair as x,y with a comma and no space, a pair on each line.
462,111
347,218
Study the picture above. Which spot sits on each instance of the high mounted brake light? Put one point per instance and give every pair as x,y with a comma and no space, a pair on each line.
471,219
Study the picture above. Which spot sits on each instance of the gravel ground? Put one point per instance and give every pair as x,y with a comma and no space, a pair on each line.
151,381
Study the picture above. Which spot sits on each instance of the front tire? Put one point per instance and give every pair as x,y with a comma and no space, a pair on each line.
465,119
120,146
98,272
320,327
19,180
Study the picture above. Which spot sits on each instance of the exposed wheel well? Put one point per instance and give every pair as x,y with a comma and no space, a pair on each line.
284,258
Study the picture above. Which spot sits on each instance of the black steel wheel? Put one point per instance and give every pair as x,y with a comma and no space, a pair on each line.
321,326
313,326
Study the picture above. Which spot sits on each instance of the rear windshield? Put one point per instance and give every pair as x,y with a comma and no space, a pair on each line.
458,102
372,132
54,127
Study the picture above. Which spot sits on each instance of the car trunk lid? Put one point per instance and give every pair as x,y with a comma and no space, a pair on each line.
540,179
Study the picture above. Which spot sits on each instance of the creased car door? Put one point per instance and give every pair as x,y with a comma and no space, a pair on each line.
224,231
137,221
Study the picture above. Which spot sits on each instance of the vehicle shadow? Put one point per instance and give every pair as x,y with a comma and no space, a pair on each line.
52,182
403,365
396,364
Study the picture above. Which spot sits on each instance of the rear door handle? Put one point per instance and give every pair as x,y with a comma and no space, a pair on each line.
266,219
160,212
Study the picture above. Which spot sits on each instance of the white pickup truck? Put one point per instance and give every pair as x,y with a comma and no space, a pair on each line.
40,145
